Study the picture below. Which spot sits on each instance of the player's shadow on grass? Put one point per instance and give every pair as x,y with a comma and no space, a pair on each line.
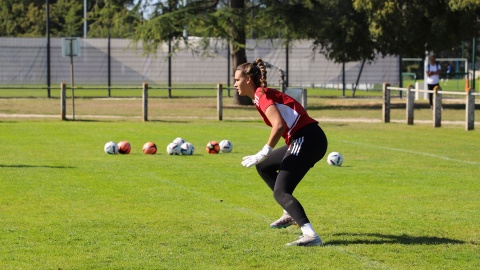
87,120
259,120
239,107
170,121
8,121
391,239
36,166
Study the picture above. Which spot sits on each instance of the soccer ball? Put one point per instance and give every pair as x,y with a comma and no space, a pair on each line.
179,141
149,148
111,148
335,159
187,149
173,149
226,146
213,147
124,147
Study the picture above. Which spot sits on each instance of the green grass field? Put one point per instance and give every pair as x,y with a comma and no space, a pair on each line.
451,85
179,92
405,197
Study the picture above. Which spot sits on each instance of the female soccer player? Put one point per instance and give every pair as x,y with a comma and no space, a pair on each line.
282,169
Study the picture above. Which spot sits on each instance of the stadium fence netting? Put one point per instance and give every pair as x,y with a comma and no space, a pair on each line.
24,62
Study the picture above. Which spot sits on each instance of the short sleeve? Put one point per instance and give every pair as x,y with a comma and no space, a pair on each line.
265,102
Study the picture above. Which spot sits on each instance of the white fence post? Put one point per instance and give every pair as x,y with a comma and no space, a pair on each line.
437,107
417,86
304,98
63,100
145,101
470,110
219,102
410,104
386,103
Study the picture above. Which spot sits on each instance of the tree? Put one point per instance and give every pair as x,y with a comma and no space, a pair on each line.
237,45
207,19
27,18
14,19
344,35
67,18
413,26
114,18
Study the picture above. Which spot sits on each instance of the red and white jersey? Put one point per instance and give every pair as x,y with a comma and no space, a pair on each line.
294,115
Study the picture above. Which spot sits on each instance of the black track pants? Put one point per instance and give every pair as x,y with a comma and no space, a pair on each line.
286,167
430,95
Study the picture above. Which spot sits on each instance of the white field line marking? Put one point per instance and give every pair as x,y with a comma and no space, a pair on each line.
411,152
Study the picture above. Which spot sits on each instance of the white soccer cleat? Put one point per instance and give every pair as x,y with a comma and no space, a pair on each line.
283,222
307,241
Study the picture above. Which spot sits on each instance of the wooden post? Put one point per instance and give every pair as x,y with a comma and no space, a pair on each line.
386,103
410,104
145,101
437,107
63,100
304,98
219,102
470,110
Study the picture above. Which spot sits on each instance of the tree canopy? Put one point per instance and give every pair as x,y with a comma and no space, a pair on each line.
413,26
342,30
27,18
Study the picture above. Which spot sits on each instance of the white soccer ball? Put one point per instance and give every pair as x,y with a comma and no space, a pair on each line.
111,148
226,146
179,141
187,149
335,159
173,149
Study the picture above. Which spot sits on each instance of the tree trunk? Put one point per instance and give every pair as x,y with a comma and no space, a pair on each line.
238,55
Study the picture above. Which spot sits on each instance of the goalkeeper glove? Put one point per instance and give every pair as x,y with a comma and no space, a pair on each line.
249,161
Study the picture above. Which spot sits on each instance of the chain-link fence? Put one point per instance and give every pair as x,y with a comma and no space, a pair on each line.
24,62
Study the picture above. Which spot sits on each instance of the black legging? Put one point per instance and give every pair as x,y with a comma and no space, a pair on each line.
430,95
310,147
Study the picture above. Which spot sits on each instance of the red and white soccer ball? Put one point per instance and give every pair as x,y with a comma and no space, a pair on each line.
335,159
187,149
226,146
111,148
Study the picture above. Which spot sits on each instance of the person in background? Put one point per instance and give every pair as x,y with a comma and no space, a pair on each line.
433,77
449,70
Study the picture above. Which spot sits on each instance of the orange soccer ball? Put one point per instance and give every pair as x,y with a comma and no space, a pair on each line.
213,147
124,147
149,148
